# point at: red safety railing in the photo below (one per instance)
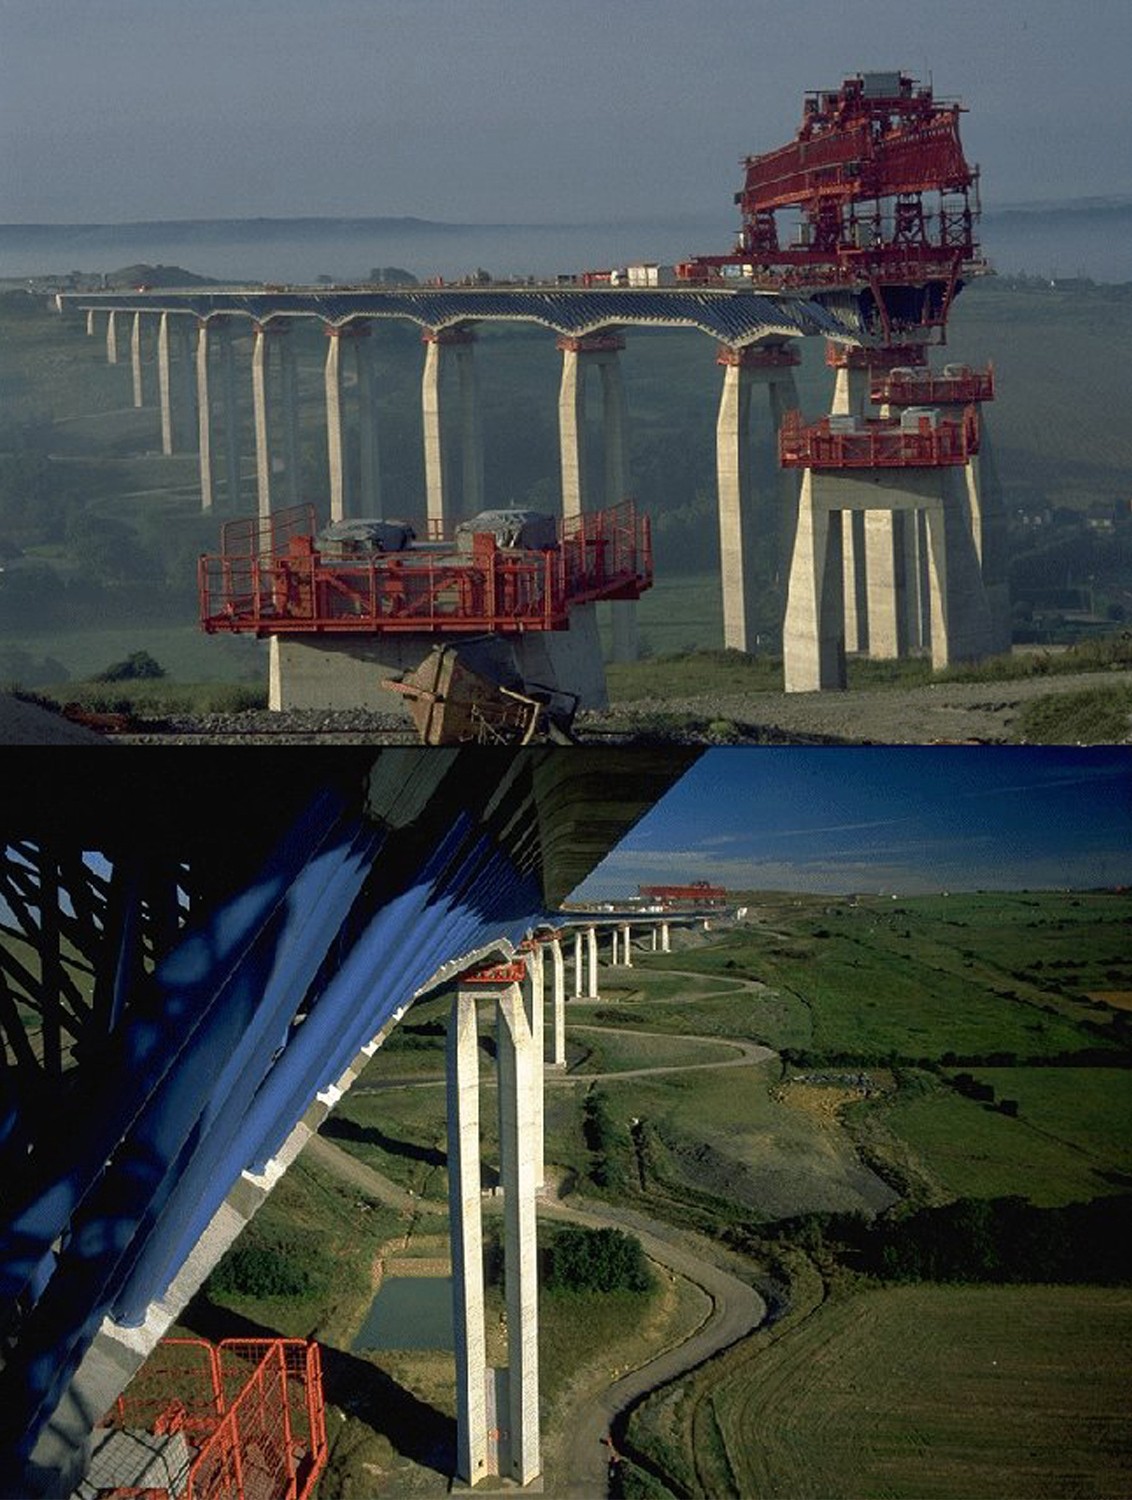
(271, 578)
(884, 444)
(252, 1409)
(927, 388)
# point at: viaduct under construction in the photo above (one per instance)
(861, 230)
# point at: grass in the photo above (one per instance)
(925, 1391)
(972, 1150)
(186, 653)
(1093, 716)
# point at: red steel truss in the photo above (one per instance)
(927, 441)
(251, 1409)
(497, 974)
(884, 198)
(270, 578)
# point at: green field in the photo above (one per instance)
(922, 1392)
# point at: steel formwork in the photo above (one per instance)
(273, 578)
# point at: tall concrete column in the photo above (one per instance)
(664, 938)
(231, 416)
(90, 322)
(771, 368)
(813, 638)
(579, 965)
(887, 584)
(369, 442)
(591, 950)
(272, 334)
(626, 950)
(112, 337)
(856, 587)
(466, 1231)
(558, 1011)
(184, 404)
(442, 345)
(520, 1083)
(600, 351)
(580, 355)
(336, 426)
(260, 419)
(289, 378)
(165, 384)
(653, 937)
(204, 417)
(614, 937)
(136, 360)
(534, 1001)
(572, 430)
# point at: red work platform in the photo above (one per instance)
(956, 385)
(913, 440)
(248, 1415)
(273, 578)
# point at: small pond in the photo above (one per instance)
(409, 1312)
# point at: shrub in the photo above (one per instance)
(135, 667)
(597, 1260)
(257, 1271)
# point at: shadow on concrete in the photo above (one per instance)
(416, 1430)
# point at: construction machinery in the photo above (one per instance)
(883, 202)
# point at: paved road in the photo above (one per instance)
(575, 1458)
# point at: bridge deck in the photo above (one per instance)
(736, 317)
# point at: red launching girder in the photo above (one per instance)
(270, 578)
(858, 173)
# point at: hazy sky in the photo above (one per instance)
(903, 819)
(517, 110)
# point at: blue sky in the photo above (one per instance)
(517, 110)
(902, 819)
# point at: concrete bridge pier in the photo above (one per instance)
(579, 965)
(343, 500)
(534, 1008)
(175, 384)
(557, 1056)
(601, 352)
(136, 360)
(813, 633)
(112, 337)
(744, 484)
(512, 1395)
(269, 413)
(591, 954)
(444, 347)
(626, 950)
(217, 332)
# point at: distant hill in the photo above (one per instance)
(156, 276)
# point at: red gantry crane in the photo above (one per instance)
(884, 204)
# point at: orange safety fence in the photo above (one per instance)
(273, 578)
(250, 1409)
(878, 444)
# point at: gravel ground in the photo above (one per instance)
(983, 713)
